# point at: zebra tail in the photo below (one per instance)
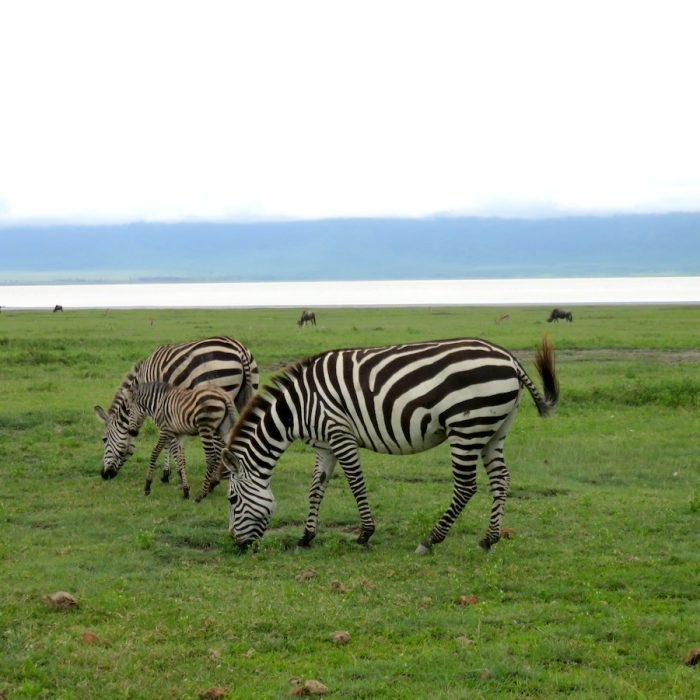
(250, 380)
(229, 419)
(545, 365)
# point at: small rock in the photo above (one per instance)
(693, 657)
(314, 687)
(61, 599)
(462, 639)
(213, 693)
(467, 600)
(305, 575)
(485, 674)
(89, 637)
(310, 687)
(339, 637)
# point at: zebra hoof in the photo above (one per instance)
(165, 478)
(185, 493)
(423, 548)
(306, 539)
(485, 544)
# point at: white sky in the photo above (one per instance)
(167, 110)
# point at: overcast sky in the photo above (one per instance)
(149, 110)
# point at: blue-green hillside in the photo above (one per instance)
(353, 249)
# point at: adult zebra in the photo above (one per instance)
(220, 360)
(397, 399)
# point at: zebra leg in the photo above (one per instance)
(344, 447)
(499, 480)
(163, 440)
(212, 452)
(323, 470)
(172, 452)
(182, 473)
(464, 458)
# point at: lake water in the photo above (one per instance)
(500, 292)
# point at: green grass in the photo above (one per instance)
(596, 595)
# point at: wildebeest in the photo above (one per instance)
(560, 313)
(56, 308)
(307, 317)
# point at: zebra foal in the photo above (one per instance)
(397, 399)
(207, 411)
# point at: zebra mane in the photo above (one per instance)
(118, 400)
(268, 393)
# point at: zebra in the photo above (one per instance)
(218, 360)
(560, 313)
(307, 317)
(396, 399)
(207, 411)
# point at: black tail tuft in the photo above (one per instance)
(544, 362)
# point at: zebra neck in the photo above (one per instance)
(264, 436)
(258, 458)
(152, 400)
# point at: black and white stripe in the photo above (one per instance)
(398, 399)
(207, 411)
(220, 360)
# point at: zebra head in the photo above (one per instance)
(119, 445)
(251, 502)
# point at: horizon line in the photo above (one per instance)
(47, 222)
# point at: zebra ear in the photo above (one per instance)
(229, 459)
(100, 412)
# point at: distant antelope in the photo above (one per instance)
(56, 308)
(502, 317)
(307, 317)
(560, 313)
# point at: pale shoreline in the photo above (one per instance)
(474, 292)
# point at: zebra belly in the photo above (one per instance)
(423, 436)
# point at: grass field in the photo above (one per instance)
(596, 595)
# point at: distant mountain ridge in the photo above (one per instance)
(353, 249)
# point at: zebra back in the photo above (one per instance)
(181, 410)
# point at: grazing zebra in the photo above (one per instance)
(307, 317)
(397, 399)
(560, 313)
(56, 308)
(207, 411)
(219, 360)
